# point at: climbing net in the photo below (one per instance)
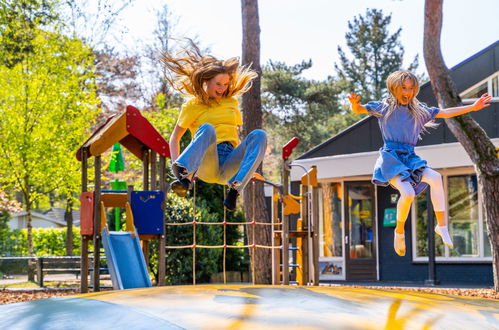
(253, 223)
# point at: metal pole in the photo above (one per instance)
(431, 241)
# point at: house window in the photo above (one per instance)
(476, 92)
(331, 236)
(463, 215)
(465, 222)
(489, 85)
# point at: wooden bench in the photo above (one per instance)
(57, 265)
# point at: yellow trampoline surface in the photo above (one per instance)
(253, 307)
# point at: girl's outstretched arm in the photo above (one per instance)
(355, 103)
(177, 134)
(479, 104)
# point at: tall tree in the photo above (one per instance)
(47, 101)
(473, 138)
(296, 106)
(251, 107)
(375, 54)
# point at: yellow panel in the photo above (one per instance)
(129, 220)
(290, 205)
(114, 199)
(313, 177)
(110, 136)
(258, 176)
(103, 219)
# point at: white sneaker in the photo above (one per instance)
(443, 231)
(399, 243)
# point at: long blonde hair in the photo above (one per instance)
(191, 70)
(416, 109)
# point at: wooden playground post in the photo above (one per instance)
(97, 218)
(305, 246)
(275, 241)
(285, 226)
(162, 239)
(315, 226)
(84, 238)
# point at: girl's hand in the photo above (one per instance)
(354, 101)
(482, 102)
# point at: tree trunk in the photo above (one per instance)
(254, 206)
(473, 138)
(68, 216)
(29, 225)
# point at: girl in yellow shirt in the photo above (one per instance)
(212, 115)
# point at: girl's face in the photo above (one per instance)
(406, 92)
(216, 86)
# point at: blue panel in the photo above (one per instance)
(125, 260)
(147, 212)
(77, 313)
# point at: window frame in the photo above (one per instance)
(446, 173)
(487, 80)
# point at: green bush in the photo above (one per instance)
(46, 242)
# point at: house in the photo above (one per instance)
(356, 217)
(54, 218)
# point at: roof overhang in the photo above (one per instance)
(130, 129)
(439, 156)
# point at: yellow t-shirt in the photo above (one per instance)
(224, 116)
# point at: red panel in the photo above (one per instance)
(141, 129)
(288, 148)
(87, 213)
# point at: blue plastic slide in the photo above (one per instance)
(125, 260)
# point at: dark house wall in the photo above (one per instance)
(393, 268)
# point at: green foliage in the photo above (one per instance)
(19, 21)
(375, 54)
(295, 106)
(47, 103)
(46, 242)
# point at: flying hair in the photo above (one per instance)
(190, 70)
(394, 82)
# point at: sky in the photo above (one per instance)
(296, 30)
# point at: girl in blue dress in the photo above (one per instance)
(402, 119)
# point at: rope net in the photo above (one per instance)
(194, 223)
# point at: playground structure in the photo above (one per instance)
(145, 215)
(127, 259)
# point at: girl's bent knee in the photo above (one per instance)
(407, 195)
(207, 127)
(259, 133)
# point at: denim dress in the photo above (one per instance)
(400, 134)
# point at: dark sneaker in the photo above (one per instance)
(230, 200)
(179, 171)
(181, 187)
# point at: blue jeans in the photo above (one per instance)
(222, 163)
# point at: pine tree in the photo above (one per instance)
(376, 53)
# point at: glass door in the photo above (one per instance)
(360, 229)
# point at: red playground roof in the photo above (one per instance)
(130, 129)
